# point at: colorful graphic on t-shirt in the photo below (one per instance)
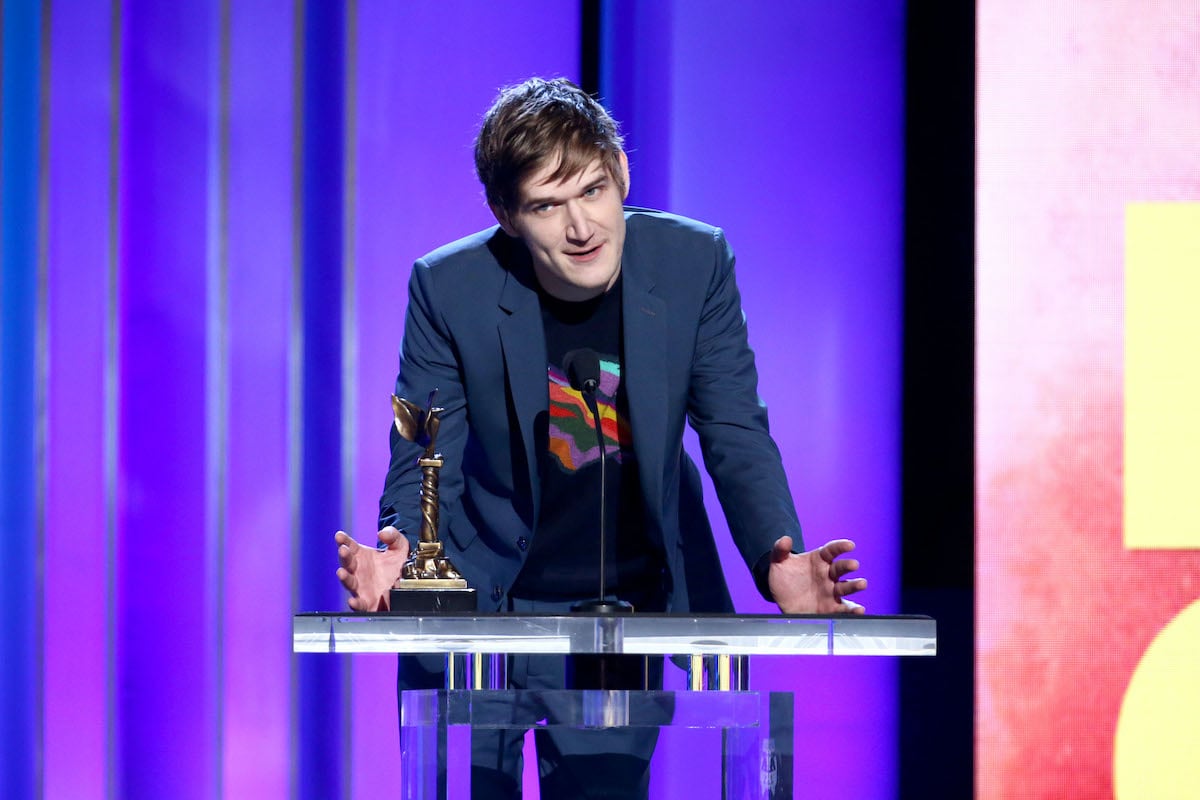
(572, 431)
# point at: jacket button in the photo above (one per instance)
(523, 544)
(497, 592)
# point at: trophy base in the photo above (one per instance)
(432, 599)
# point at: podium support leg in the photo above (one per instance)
(757, 762)
(423, 716)
(484, 671)
(782, 739)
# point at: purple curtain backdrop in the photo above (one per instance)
(165, 576)
(252, 325)
(234, 194)
(424, 73)
(783, 123)
(22, 67)
(78, 636)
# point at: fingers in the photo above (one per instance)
(781, 549)
(345, 570)
(832, 549)
(389, 535)
(345, 551)
(839, 568)
(843, 588)
(346, 556)
(842, 567)
(850, 607)
(350, 583)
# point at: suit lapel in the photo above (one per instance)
(644, 314)
(645, 334)
(523, 342)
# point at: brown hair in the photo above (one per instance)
(535, 121)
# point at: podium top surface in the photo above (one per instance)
(640, 634)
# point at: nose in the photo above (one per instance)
(579, 226)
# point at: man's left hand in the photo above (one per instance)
(814, 582)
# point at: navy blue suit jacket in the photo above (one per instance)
(474, 332)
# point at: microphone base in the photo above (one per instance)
(602, 606)
(602, 670)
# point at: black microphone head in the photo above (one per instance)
(583, 370)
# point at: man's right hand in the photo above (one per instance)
(368, 573)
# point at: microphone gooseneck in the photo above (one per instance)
(583, 371)
(603, 671)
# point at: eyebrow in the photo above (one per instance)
(534, 202)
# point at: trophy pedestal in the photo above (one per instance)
(429, 583)
(432, 597)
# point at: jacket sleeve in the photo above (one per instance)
(731, 420)
(428, 363)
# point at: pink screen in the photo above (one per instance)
(1088, 199)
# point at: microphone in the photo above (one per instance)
(583, 371)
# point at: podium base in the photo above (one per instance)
(432, 601)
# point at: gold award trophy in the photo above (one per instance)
(429, 583)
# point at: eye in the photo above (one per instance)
(593, 191)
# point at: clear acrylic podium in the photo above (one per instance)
(756, 727)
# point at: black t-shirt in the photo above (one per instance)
(564, 557)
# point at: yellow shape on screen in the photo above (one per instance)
(1158, 739)
(1162, 376)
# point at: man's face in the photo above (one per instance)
(574, 229)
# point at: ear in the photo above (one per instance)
(502, 217)
(624, 174)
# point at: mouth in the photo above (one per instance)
(584, 256)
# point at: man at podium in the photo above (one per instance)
(495, 325)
